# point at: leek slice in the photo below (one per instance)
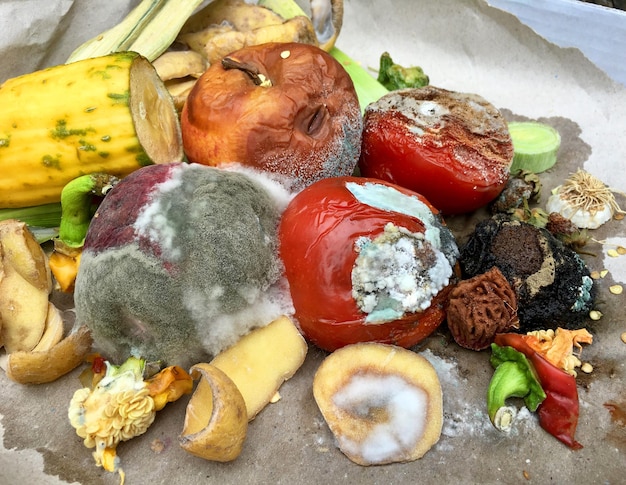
(535, 146)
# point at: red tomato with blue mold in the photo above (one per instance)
(366, 260)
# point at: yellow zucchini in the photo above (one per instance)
(108, 114)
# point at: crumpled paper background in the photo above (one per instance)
(464, 45)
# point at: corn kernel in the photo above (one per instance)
(587, 368)
(616, 289)
(612, 253)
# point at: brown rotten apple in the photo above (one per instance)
(284, 108)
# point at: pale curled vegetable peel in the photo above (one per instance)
(216, 420)
(47, 365)
(121, 406)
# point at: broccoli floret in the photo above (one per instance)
(394, 76)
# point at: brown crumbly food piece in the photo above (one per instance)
(480, 307)
(557, 224)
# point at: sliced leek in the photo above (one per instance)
(535, 146)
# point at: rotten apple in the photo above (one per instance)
(366, 260)
(453, 148)
(284, 108)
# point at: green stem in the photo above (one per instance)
(76, 200)
(508, 381)
(367, 87)
(514, 376)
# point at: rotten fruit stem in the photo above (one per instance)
(251, 70)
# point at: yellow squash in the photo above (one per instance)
(108, 114)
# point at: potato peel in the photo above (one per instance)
(25, 286)
(53, 331)
(48, 365)
(216, 420)
(261, 361)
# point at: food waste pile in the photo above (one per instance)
(223, 241)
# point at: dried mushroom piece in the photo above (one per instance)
(480, 307)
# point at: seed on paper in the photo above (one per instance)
(595, 315)
(587, 368)
(616, 289)
(621, 250)
(596, 275)
(612, 253)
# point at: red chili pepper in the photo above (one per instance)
(98, 365)
(558, 413)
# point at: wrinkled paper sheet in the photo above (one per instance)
(463, 45)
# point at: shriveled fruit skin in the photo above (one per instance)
(302, 123)
(383, 403)
(453, 148)
(178, 263)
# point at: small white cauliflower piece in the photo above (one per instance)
(117, 409)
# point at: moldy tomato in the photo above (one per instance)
(366, 260)
(453, 148)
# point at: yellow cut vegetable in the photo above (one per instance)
(262, 360)
(108, 114)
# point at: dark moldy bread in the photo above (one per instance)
(552, 283)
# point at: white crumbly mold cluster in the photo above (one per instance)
(399, 272)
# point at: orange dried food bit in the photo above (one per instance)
(168, 385)
(557, 346)
(64, 268)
